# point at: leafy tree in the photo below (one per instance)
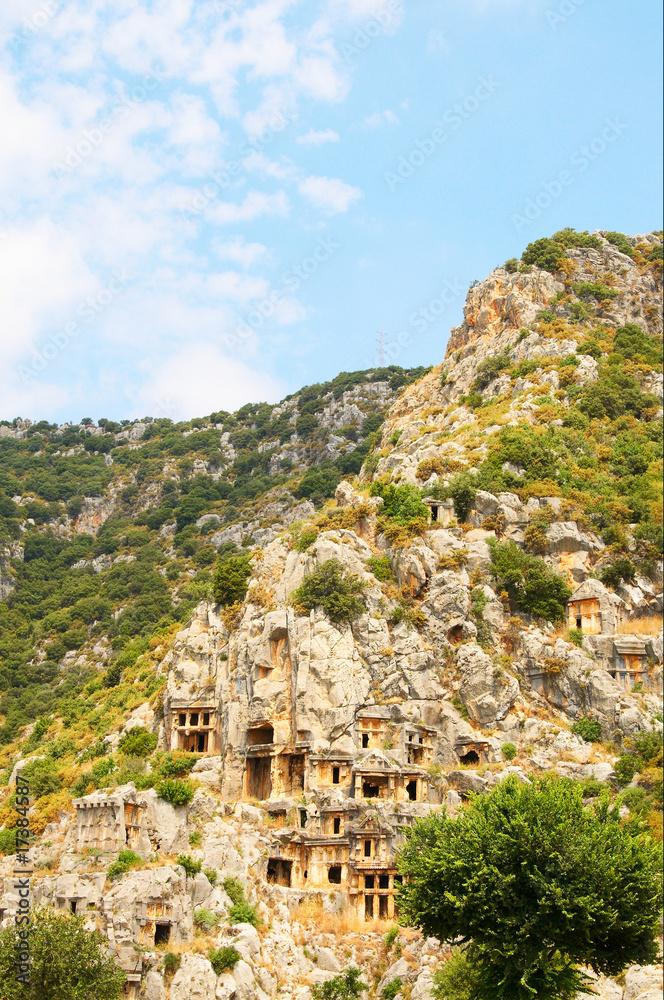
(631, 341)
(318, 483)
(570, 238)
(346, 986)
(544, 253)
(231, 579)
(529, 581)
(489, 369)
(329, 587)
(621, 569)
(138, 742)
(462, 491)
(538, 885)
(402, 503)
(191, 867)
(66, 960)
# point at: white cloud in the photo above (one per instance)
(380, 118)
(254, 205)
(317, 137)
(329, 194)
(200, 378)
(239, 251)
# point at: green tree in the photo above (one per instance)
(544, 253)
(65, 961)
(539, 885)
(231, 578)
(346, 986)
(529, 581)
(329, 587)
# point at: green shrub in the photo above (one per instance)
(306, 539)
(570, 238)
(575, 635)
(42, 778)
(509, 751)
(636, 800)
(631, 342)
(231, 579)
(588, 729)
(178, 793)
(195, 839)
(234, 889)
(329, 587)
(171, 963)
(511, 265)
(592, 290)
(391, 937)
(621, 242)
(244, 913)
(176, 764)
(222, 959)
(591, 788)
(649, 746)
(190, 866)
(380, 567)
(318, 483)
(544, 253)
(489, 369)
(346, 986)
(626, 767)
(390, 991)
(138, 742)
(211, 875)
(206, 918)
(621, 569)
(402, 503)
(462, 491)
(125, 861)
(528, 581)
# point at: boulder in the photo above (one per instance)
(643, 982)
(194, 980)
(487, 691)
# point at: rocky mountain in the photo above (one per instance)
(241, 655)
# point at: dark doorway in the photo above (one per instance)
(279, 871)
(162, 933)
(472, 757)
(365, 740)
(335, 775)
(367, 848)
(382, 907)
(193, 719)
(259, 777)
(370, 791)
(303, 818)
(72, 905)
(455, 634)
(334, 874)
(369, 881)
(337, 824)
(411, 789)
(201, 745)
(383, 881)
(368, 907)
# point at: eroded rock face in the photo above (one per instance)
(487, 691)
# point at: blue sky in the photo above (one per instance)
(210, 202)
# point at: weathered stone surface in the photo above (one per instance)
(640, 980)
(487, 691)
(194, 980)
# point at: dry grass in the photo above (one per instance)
(644, 625)
(310, 915)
